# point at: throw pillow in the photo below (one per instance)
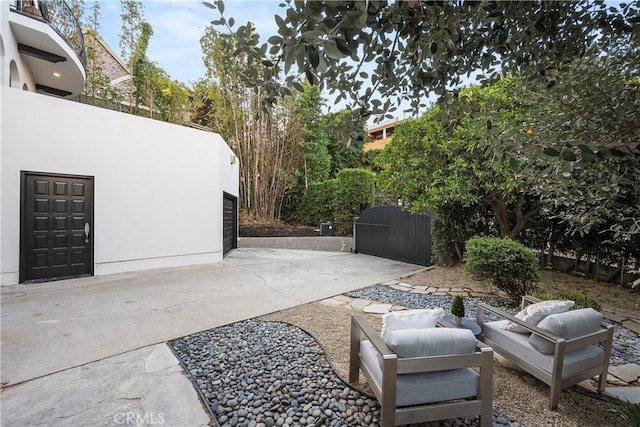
(410, 319)
(534, 313)
(573, 324)
(431, 342)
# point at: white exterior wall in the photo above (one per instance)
(11, 54)
(158, 187)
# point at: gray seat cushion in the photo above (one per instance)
(430, 387)
(574, 361)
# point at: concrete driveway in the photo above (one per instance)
(55, 326)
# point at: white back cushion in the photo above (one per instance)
(410, 319)
(534, 313)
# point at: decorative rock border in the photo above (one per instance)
(264, 374)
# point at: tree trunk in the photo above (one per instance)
(501, 212)
(552, 249)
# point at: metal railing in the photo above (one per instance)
(141, 111)
(59, 16)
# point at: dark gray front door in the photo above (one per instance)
(56, 230)
(229, 223)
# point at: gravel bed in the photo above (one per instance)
(414, 300)
(261, 373)
(264, 373)
(626, 343)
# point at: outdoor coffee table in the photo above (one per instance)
(466, 324)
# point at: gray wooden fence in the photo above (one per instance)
(390, 232)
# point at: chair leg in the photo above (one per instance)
(486, 419)
(387, 418)
(354, 370)
(556, 374)
(354, 354)
(554, 396)
(486, 389)
(602, 382)
(389, 390)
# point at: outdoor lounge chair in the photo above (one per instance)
(560, 350)
(424, 388)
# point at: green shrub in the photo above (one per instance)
(317, 203)
(354, 192)
(506, 264)
(629, 412)
(581, 300)
(291, 204)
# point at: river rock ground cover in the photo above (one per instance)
(232, 365)
(262, 373)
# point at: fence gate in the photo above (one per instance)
(390, 232)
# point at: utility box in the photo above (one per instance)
(326, 229)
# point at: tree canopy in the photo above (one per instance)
(441, 162)
(410, 49)
(589, 129)
(486, 156)
(572, 152)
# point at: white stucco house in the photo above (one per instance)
(89, 191)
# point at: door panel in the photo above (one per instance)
(55, 209)
(229, 223)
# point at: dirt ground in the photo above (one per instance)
(611, 296)
(249, 229)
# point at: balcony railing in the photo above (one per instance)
(59, 16)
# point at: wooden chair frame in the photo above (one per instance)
(561, 347)
(393, 366)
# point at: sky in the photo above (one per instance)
(177, 28)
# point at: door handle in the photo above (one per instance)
(87, 230)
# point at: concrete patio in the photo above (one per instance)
(89, 351)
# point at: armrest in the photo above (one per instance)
(479, 358)
(482, 347)
(482, 307)
(444, 324)
(361, 323)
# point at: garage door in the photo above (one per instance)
(229, 223)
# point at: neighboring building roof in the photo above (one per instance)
(380, 134)
(110, 62)
(111, 66)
